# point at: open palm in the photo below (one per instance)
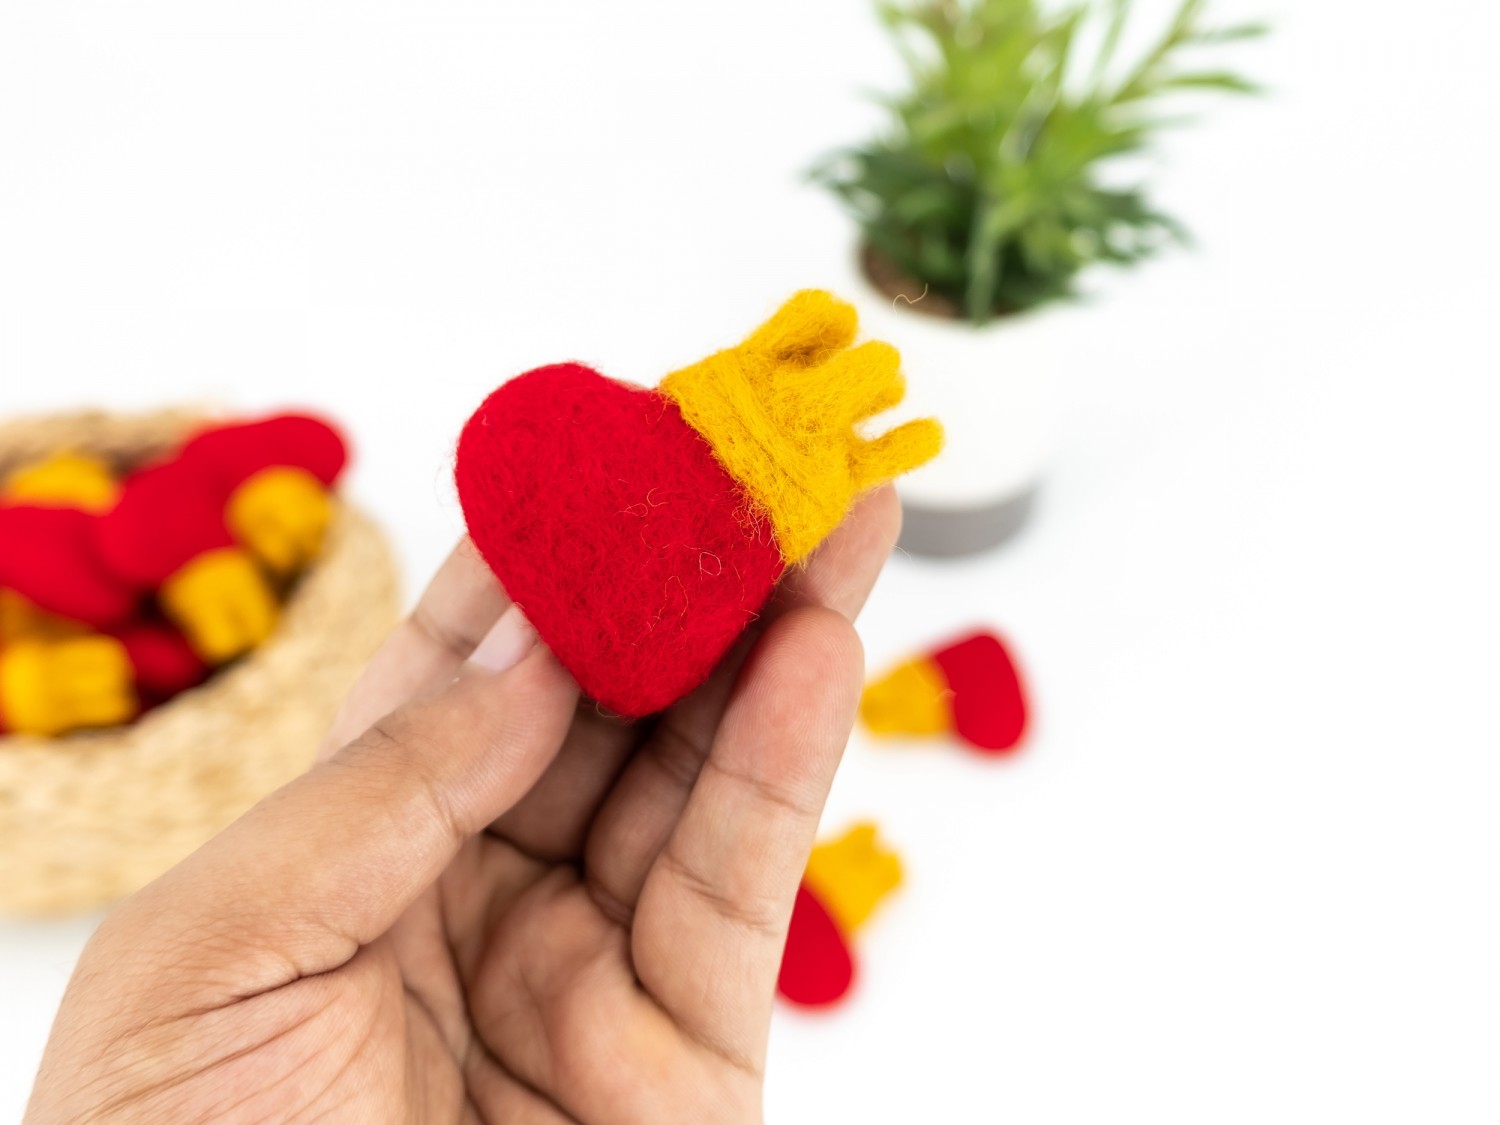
(489, 902)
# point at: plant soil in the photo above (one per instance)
(900, 286)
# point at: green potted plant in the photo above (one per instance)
(993, 191)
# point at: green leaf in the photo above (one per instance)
(1234, 34)
(987, 184)
(1217, 80)
(982, 262)
(1118, 11)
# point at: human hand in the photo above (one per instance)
(493, 903)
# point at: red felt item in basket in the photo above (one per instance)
(167, 515)
(50, 557)
(606, 517)
(171, 512)
(230, 455)
(163, 662)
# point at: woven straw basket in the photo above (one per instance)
(88, 818)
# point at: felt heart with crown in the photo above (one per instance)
(640, 530)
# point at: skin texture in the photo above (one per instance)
(488, 901)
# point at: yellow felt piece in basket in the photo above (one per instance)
(781, 409)
(23, 620)
(71, 479)
(281, 514)
(50, 687)
(222, 603)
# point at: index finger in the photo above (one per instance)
(642, 809)
(713, 914)
(427, 648)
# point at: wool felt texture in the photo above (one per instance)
(640, 531)
(609, 522)
(48, 556)
(50, 687)
(970, 688)
(781, 411)
(845, 880)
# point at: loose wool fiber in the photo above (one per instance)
(609, 522)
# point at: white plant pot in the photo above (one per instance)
(994, 389)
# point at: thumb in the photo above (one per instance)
(329, 862)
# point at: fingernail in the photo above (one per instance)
(508, 640)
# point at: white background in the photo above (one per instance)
(1249, 867)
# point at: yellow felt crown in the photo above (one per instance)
(781, 411)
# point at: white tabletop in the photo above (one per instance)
(1247, 868)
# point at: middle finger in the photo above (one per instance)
(642, 808)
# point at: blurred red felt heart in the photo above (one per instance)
(817, 968)
(607, 519)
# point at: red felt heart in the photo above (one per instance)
(989, 703)
(817, 968)
(607, 519)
